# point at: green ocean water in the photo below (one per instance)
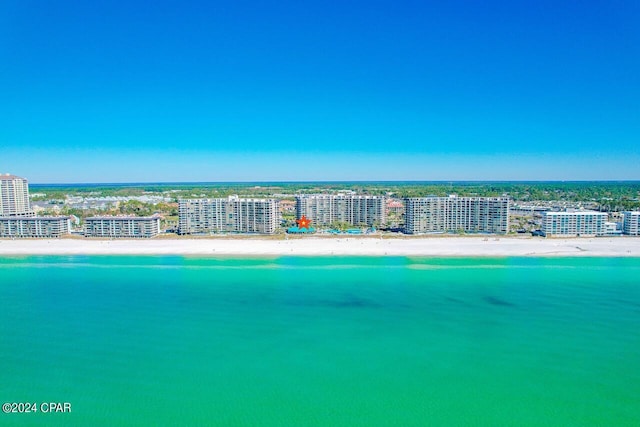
(330, 341)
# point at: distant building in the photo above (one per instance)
(395, 207)
(452, 214)
(287, 206)
(630, 223)
(34, 227)
(14, 196)
(573, 224)
(230, 215)
(122, 226)
(326, 209)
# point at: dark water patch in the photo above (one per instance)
(457, 301)
(497, 301)
(633, 305)
(347, 302)
(354, 302)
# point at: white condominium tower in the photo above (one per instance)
(357, 210)
(14, 196)
(452, 214)
(578, 223)
(232, 214)
(630, 223)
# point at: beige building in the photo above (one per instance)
(14, 196)
(327, 209)
(228, 215)
(122, 226)
(573, 224)
(34, 227)
(453, 214)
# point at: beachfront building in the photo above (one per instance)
(122, 226)
(327, 209)
(574, 224)
(14, 196)
(456, 214)
(630, 222)
(228, 215)
(34, 227)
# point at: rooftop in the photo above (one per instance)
(127, 217)
(31, 218)
(575, 213)
(7, 176)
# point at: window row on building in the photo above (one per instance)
(14, 196)
(17, 227)
(574, 224)
(456, 214)
(630, 222)
(228, 215)
(54, 227)
(327, 209)
(122, 227)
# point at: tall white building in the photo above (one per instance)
(451, 214)
(326, 209)
(231, 215)
(14, 196)
(573, 224)
(630, 222)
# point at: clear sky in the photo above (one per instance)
(121, 91)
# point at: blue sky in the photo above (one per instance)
(107, 91)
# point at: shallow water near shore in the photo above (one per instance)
(321, 341)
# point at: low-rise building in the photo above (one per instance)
(574, 224)
(287, 206)
(612, 228)
(122, 226)
(35, 227)
(630, 223)
(395, 208)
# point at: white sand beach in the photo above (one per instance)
(428, 246)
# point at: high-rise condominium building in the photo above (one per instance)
(452, 214)
(42, 226)
(572, 224)
(14, 196)
(122, 226)
(230, 215)
(327, 209)
(630, 223)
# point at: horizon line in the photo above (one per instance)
(336, 182)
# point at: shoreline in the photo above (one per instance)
(493, 246)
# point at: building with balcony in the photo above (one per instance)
(122, 226)
(228, 215)
(456, 214)
(34, 227)
(327, 209)
(14, 196)
(574, 224)
(630, 222)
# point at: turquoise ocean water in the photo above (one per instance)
(332, 341)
